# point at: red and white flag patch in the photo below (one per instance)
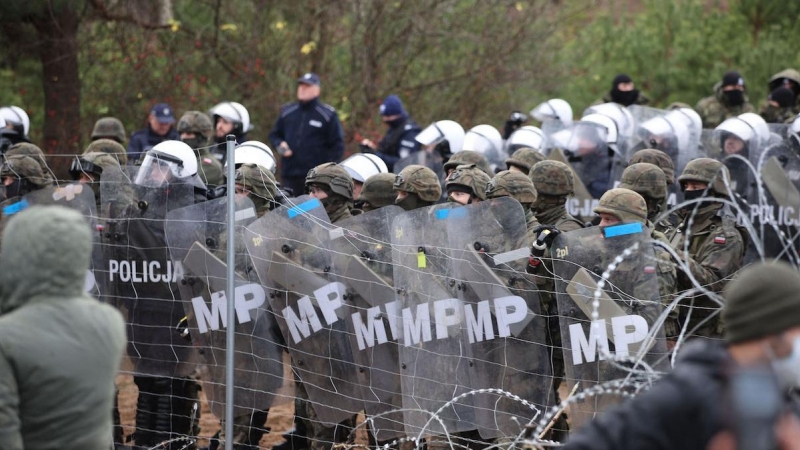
(649, 269)
(719, 240)
(207, 160)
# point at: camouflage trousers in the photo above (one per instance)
(320, 436)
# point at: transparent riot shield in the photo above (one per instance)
(140, 276)
(434, 363)
(584, 145)
(626, 124)
(362, 261)
(431, 159)
(197, 237)
(505, 331)
(610, 328)
(78, 197)
(287, 249)
(641, 113)
(582, 203)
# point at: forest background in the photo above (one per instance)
(70, 62)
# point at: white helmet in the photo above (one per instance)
(553, 109)
(441, 131)
(527, 136)
(690, 117)
(484, 139)
(749, 127)
(619, 114)
(611, 134)
(361, 166)
(173, 157)
(18, 117)
(672, 125)
(233, 112)
(254, 152)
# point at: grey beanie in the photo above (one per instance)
(763, 300)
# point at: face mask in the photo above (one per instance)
(788, 369)
(694, 195)
(410, 202)
(625, 98)
(195, 142)
(734, 97)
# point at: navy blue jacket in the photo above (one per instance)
(314, 134)
(144, 139)
(399, 141)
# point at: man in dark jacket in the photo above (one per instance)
(159, 129)
(686, 409)
(59, 348)
(399, 140)
(307, 133)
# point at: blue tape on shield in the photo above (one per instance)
(16, 207)
(454, 213)
(303, 208)
(622, 230)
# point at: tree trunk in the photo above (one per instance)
(58, 50)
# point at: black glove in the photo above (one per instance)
(546, 234)
(216, 192)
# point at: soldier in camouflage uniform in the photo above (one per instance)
(87, 169)
(622, 205)
(20, 175)
(788, 79)
(28, 149)
(467, 157)
(554, 183)
(259, 185)
(523, 159)
(466, 184)
(657, 158)
(519, 187)
(196, 131)
(417, 187)
(779, 106)
(109, 146)
(109, 128)
(715, 244)
(649, 181)
(729, 100)
(377, 192)
(333, 187)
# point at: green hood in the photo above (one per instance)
(45, 256)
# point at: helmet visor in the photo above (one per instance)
(158, 169)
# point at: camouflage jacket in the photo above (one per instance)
(772, 114)
(342, 213)
(716, 249)
(714, 111)
(209, 168)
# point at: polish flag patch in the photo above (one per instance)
(719, 240)
(207, 160)
(649, 269)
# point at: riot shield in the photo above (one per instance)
(197, 237)
(611, 329)
(581, 204)
(80, 198)
(505, 330)
(430, 159)
(584, 145)
(362, 261)
(140, 276)
(287, 249)
(434, 364)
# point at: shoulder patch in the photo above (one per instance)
(719, 240)
(207, 160)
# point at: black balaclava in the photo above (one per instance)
(625, 98)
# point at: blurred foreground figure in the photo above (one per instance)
(707, 391)
(59, 348)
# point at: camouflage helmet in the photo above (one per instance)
(109, 128)
(512, 184)
(195, 122)
(378, 190)
(525, 158)
(110, 147)
(334, 176)
(471, 177)
(624, 204)
(260, 180)
(468, 157)
(31, 150)
(709, 171)
(646, 179)
(552, 178)
(23, 167)
(657, 158)
(93, 163)
(419, 180)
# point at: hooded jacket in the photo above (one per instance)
(682, 410)
(59, 348)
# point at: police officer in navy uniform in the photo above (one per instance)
(307, 133)
(159, 129)
(399, 140)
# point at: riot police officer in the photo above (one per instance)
(196, 130)
(416, 187)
